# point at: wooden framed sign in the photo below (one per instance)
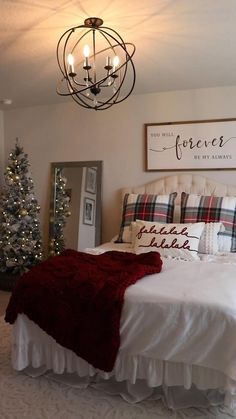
(191, 145)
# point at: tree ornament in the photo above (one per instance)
(23, 212)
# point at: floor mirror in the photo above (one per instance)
(75, 205)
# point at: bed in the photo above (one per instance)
(177, 327)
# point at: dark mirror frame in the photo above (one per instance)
(97, 216)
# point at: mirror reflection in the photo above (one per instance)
(75, 206)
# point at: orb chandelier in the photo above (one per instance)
(96, 65)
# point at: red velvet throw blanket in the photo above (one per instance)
(77, 298)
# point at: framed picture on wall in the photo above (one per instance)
(89, 208)
(91, 180)
(191, 145)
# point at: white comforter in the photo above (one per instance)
(183, 318)
(186, 313)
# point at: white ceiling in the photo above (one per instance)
(180, 44)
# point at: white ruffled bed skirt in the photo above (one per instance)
(135, 378)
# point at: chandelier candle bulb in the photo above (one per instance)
(86, 52)
(116, 62)
(70, 60)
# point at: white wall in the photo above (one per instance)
(67, 132)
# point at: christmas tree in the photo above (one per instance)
(62, 203)
(20, 237)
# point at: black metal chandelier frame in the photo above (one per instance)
(78, 90)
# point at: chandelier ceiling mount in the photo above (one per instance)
(93, 22)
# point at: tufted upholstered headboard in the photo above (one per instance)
(184, 182)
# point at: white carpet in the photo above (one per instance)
(22, 397)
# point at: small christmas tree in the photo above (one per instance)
(62, 203)
(20, 238)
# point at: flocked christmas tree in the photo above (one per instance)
(61, 212)
(20, 237)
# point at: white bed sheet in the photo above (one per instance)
(178, 327)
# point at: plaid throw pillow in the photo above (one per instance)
(195, 208)
(146, 207)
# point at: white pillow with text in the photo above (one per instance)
(171, 240)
